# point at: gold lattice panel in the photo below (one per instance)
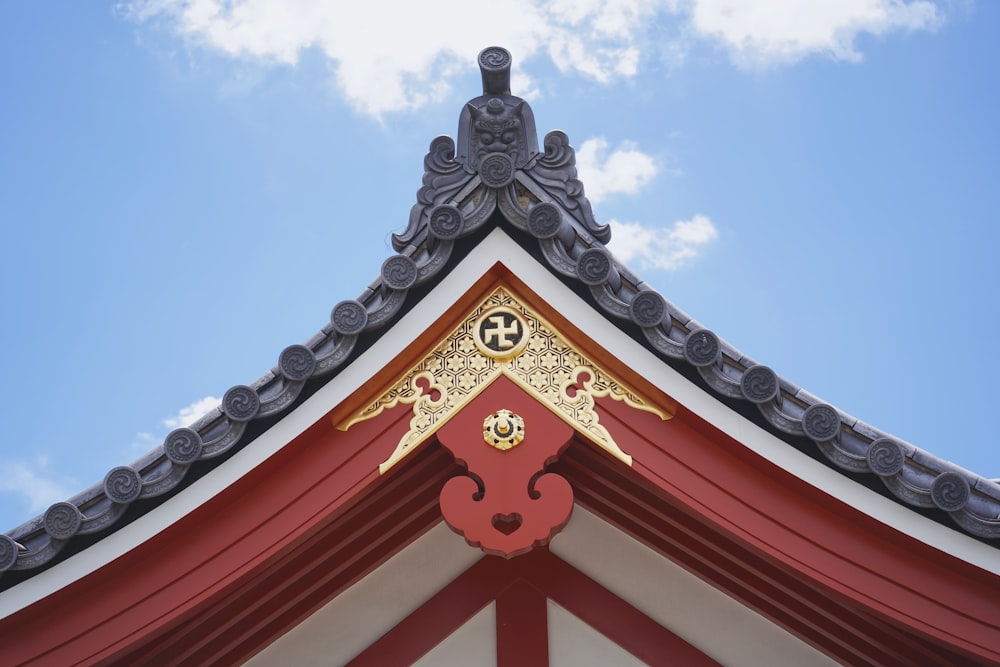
(503, 337)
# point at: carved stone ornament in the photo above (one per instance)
(501, 337)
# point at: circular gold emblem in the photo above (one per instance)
(503, 430)
(501, 333)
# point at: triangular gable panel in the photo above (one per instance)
(573, 642)
(344, 627)
(472, 644)
(508, 377)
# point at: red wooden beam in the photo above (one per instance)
(522, 626)
(520, 587)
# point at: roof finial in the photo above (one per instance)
(494, 63)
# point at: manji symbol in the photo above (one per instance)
(500, 333)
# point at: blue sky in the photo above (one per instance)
(187, 188)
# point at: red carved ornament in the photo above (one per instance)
(520, 506)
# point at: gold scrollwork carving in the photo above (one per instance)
(503, 337)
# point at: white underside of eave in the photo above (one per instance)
(709, 620)
(498, 247)
(701, 615)
(340, 630)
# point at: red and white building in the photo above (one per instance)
(509, 450)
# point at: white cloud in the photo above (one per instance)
(192, 413)
(391, 57)
(401, 56)
(145, 441)
(614, 18)
(775, 31)
(625, 170)
(666, 248)
(34, 485)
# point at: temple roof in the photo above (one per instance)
(496, 177)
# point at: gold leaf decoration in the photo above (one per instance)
(542, 363)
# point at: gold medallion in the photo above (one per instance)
(503, 430)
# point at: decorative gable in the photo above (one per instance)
(505, 375)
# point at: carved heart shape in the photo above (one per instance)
(506, 523)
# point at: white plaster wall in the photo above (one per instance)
(475, 643)
(573, 643)
(706, 618)
(364, 612)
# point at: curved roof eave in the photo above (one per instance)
(538, 199)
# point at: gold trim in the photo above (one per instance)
(546, 367)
